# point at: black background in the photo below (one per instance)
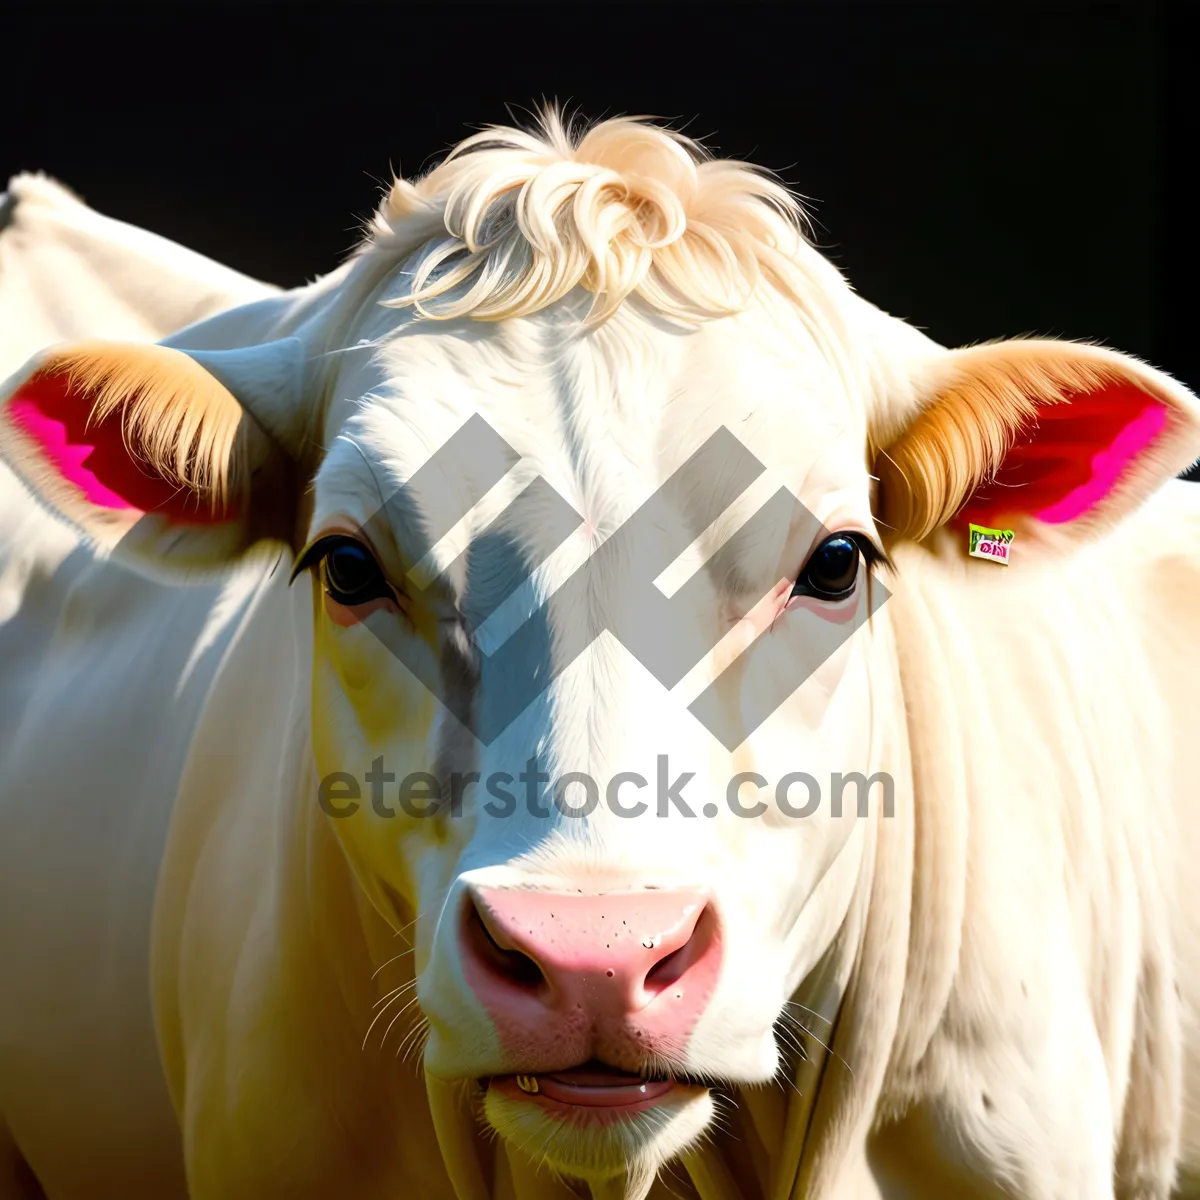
(980, 169)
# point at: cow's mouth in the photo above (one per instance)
(594, 1086)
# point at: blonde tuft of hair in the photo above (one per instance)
(175, 417)
(513, 220)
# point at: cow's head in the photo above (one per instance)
(626, 771)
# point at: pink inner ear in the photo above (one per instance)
(95, 459)
(1072, 458)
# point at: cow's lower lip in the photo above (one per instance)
(586, 1088)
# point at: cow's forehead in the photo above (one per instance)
(603, 418)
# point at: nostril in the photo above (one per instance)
(666, 972)
(511, 965)
(673, 966)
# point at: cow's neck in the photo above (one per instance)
(852, 999)
(1021, 695)
(259, 918)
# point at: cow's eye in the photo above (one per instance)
(351, 574)
(832, 569)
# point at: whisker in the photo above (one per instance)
(400, 1012)
(782, 1077)
(395, 995)
(791, 1043)
(393, 959)
(414, 1039)
(827, 1049)
(405, 928)
(411, 983)
(812, 1011)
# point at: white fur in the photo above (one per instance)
(981, 988)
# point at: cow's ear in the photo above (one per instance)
(1034, 436)
(155, 453)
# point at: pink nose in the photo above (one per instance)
(606, 975)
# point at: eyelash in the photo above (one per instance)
(808, 582)
(873, 556)
(318, 554)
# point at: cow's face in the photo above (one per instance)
(614, 897)
(624, 829)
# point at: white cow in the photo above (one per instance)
(388, 914)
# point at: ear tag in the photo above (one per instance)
(993, 544)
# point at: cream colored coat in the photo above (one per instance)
(1012, 962)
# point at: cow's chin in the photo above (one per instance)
(634, 1145)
